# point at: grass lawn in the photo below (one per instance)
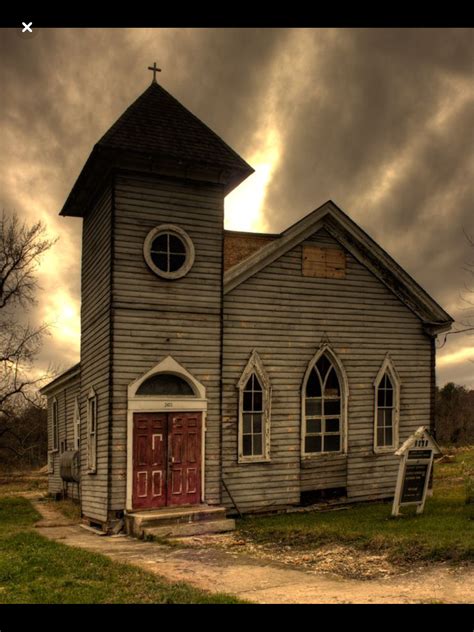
(18, 482)
(445, 531)
(36, 570)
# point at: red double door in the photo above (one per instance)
(166, 459)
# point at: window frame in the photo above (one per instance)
(55, 424)
(387, 368)
(344, 396)
(92, 432)
(255, 366)
(183, 236)
(77, 424)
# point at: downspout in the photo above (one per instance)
(433, 387)
(221, 361)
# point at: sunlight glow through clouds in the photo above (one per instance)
(61, 313)
(243, 206)
(456, 357)
(58, 308)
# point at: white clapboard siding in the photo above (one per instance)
(153, 317)
(285, 316)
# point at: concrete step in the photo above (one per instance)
(138, 521)
(191, 528)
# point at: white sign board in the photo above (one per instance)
(415, 469)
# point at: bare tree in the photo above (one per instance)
(21, 247)
(467, 325)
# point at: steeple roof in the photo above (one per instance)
(157, 123)
(157, 133)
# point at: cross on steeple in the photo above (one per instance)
(155, 70)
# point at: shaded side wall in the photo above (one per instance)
(95, 348)
(65, 396)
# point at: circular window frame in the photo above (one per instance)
(178, 232)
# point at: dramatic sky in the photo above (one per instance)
(381, 121)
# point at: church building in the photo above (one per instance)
(223, 370)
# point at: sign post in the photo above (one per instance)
(415, 468)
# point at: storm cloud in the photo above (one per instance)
(381, 121)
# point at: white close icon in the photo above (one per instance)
(27, 27)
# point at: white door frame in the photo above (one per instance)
(165, 404)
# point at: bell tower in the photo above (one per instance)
(151, 196)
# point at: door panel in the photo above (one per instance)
(149, 460)
(185, 467)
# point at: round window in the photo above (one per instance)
(169, 251)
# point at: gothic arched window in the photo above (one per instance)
(324, 405)
(387, 405)
(254, 412)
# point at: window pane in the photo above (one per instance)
(388, 417)
(389, 398)
(247, 445)
(165, 384)
(332, 384)
(332, 443)
(313, 386)
(257, 444)
(380, 437)
(380, 396)
(331, 406)
(176, 245)
(160, 243)
(257, 423)
(313, 425)
(257, 400)
(312, 444)
(176, 261)
(160, 261)
(247, 400)
(313, 407)
(380, 417)
(256, 383)
(323, 365)
(247, 419)
(332, 425)
(388, 436)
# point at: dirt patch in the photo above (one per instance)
(336, 560)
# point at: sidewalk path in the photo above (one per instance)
(253, 579)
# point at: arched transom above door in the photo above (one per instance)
(168, 380)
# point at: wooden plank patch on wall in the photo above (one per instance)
(326, 263)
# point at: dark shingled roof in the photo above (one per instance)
(157, 123)
(156, 134)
